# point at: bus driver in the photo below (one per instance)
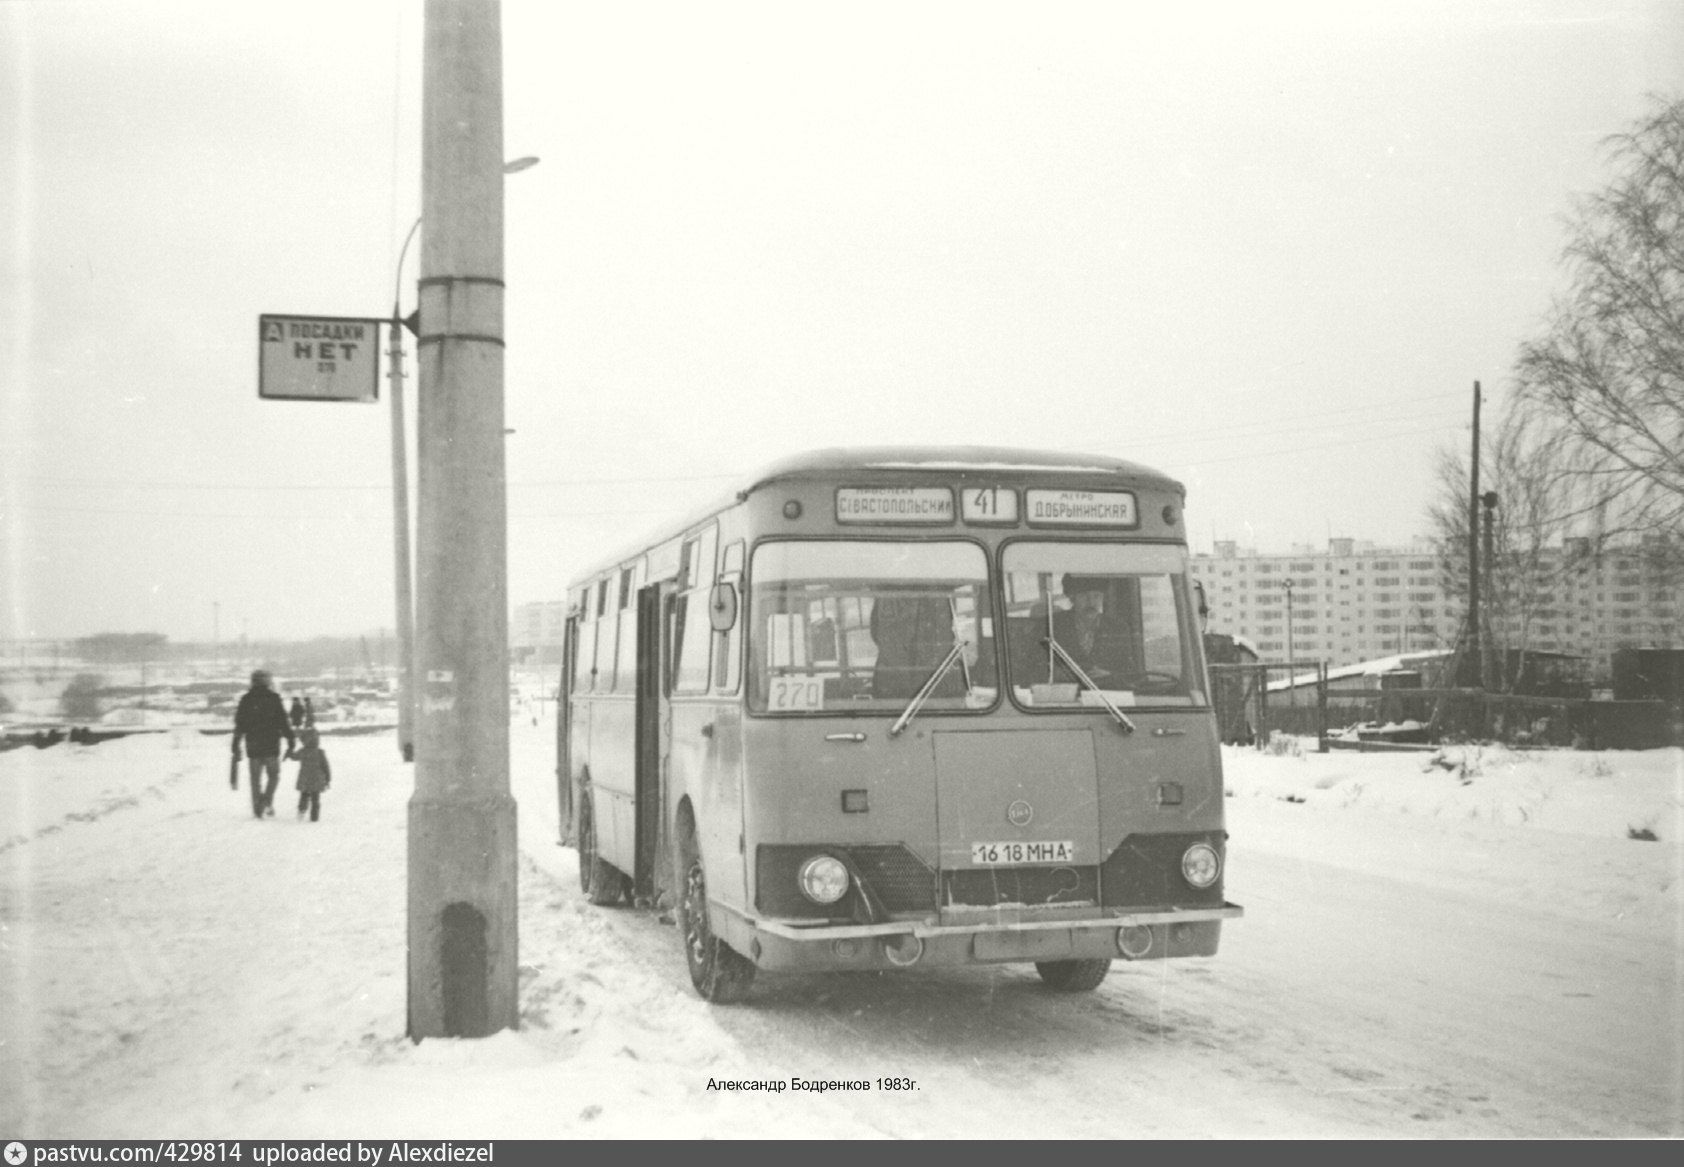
(1097, 644)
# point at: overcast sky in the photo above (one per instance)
(1265, 248)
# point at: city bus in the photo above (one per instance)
(901, 708)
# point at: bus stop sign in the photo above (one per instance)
(318, 358)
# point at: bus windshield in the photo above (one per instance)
(1118, 611)
(861, 626)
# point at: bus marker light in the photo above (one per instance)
(904, 950)
(824, 879)
(1134, 941)
(792, 509)
(1200, 865)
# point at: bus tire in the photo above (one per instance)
(720, 973)
(1073, 976)
(600, 880)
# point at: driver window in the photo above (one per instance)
(1089, 618)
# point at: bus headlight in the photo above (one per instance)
(1200, 865)
(823, 879)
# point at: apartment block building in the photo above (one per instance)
(536, 630)
(1354, 601)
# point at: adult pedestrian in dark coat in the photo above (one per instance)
(261, 720)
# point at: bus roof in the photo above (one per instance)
(950, 461)
(956, 459)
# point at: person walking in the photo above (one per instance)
(314, 774)
(261, 720)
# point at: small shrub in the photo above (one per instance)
(1642, 833)
(80, 699)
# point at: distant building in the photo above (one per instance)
(1355, 602)
(536, 631)
(1352, 602)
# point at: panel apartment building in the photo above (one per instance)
(1355, 602)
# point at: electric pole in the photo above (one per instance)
(1473, 660)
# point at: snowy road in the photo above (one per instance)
(1343, 1004)
(171, 968)
(1406, 983)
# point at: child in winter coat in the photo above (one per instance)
(314, 774)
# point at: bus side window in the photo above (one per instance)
(693, 636)
(567, 676)
(625, 669)
(584, 662)
(607, 621)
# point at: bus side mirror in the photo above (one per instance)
(722, 607)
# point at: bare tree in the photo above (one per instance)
(1523, 576)
(1604, 384)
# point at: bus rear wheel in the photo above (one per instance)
(1073, 976)
(720, 973)
(600, 880)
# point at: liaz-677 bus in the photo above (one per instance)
(903, 707)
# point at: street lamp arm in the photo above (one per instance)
(397, 281)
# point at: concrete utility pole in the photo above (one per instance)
(462, 846)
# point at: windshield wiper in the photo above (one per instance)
(923, 694)
(1082, 676)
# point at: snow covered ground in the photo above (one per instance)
(171, 967)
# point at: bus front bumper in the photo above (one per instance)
(1143, 935)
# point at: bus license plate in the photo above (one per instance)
(1017, 853)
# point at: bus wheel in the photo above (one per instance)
(598, 878)
(720, 973)
(1073, 976)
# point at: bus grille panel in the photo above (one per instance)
(898, 880)
(1034, 886)
(901, 881)
(1145, 872)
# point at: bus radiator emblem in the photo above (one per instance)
(1019, 813)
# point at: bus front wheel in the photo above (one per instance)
(720, 973)
(599, 879)
(1073, 976)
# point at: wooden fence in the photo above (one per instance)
(1247, 711)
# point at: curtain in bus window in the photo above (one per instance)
(862, 626)
(1119, 611)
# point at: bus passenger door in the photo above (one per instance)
(568, 835)
(653, 726)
